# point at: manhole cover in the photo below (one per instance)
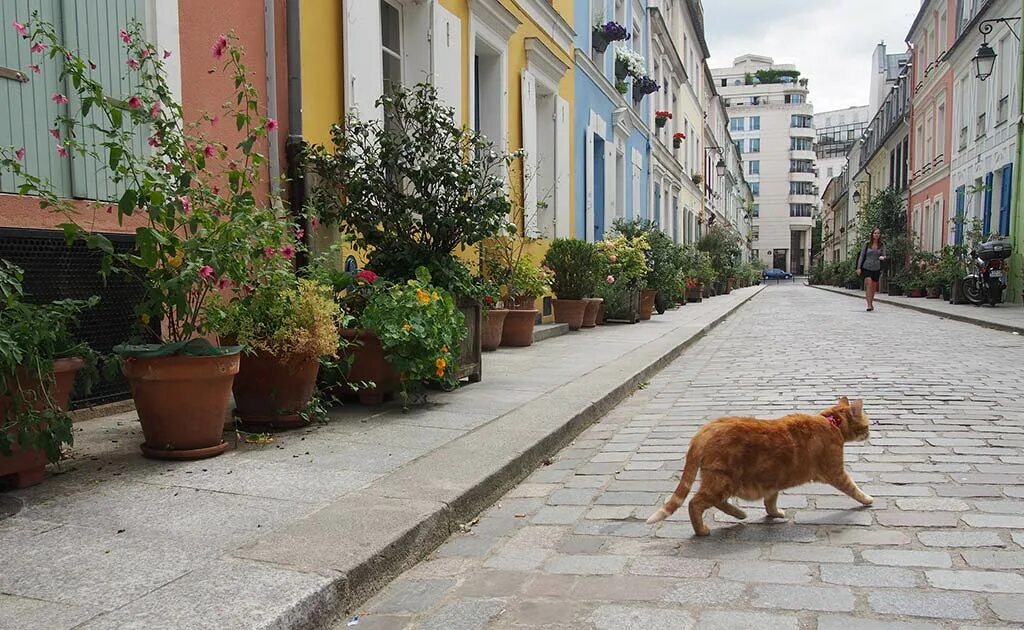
(9, 506)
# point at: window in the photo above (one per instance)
(391, 40)
(940, 129)
(794, 99)
(755, 145)
(757, 210)
(801, 166)
(755, 188)
(755, 233)
(739, 145)
(736, 124)
(801, 210)
(801, 144)
(755, 123)
(754, 167)
(831, 173)
(801, 188)
(801, 121)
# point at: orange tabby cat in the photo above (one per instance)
(755, 459)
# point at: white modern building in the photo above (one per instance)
(836, 132)
(771, 120)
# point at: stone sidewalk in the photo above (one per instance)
(288, 534)
(1005, 317)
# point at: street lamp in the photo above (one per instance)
(985, 59)
(720, 167)
(856, 197)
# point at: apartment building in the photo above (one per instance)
(836, 131)
(771, 121)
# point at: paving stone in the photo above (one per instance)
(533, 490)
(464, 614)
(937, 504)
(960, 538)
(994, 520)
(517, 559)
(610, 512)
(834, 517)
(978, 581)
(846, 622)
(960, 490)
(916, 603)
(908, 558)
(537, 537)
(631, 498)
(558, 515)
(918, 519)
(582, 544)
(985, 559)
(620, 588)
(640, 618)
(672, 567)
(586, 565)
(867, 537)
(869, 576)
(466, 545)
(1001, 507)
(721, 620)
(573, 496)
(707, 592)
(1008, 608)
(810, 553)
(819, 598)
(412, 596)
(765, 572)
(492, 584)
(542, 613)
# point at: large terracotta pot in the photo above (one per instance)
(518, 329)
(272, 391)
(647, 303)
(182, 402)
(592, 311)
(27, 467)
(369, 366)
(494, 322)
(523, 303)
(695, 294)
(569, 312)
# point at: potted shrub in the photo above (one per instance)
(39, 359)
(621, 267)
(285, 325)
(494, 317)
(507, 264)
(677, 142)
(604, 34)
(441, 201)
(934, 283)
(661, 119)
(571, 262)
(204, 228)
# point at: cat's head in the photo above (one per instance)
(854, 423)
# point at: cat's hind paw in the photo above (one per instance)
(777, 514)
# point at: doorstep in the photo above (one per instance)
(1006, 317)
(294, 533)
(542, 332)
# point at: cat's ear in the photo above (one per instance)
(858, 407)
(844, 401)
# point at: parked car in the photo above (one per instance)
(776, 274)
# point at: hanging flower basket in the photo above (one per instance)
(628, 63)
(620, 70)
(622, 86)
(604, 34)
(643, 86)
(661, 118)
(677, 139)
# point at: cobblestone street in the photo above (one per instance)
(942, 546)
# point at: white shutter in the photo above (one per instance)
(529, 115)
(447, 44)
(636, 174)
(563, 176)
(589, 157)
(364, 75)
(611, 200)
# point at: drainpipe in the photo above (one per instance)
(270, 45)
(1016, 208)
(295, 143)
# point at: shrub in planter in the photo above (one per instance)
(621, 267)
(723, 249)
(39, 359)
(494, 317)
(507, 264)
(572, 263)
(203, 227)
(285, 325)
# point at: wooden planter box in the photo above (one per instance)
(470, 357)
(623, 307)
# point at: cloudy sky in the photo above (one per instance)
(830, 41)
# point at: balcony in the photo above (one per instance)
(804, 198)
(803, 154)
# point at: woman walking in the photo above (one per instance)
(869, 265)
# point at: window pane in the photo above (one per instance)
(392, 71)
(390, 28)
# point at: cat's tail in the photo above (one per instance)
(689, 475)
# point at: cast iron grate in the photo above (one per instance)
(54, 271)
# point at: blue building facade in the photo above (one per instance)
(612, 132)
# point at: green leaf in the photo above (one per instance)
(116, 117)
(127, 204)
(240, 120)
(115, 157)
(100, 242)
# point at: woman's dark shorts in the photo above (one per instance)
(874, 275)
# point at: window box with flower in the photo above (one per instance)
(661, 119)
(604, 34)
(677, 142)
(628, 63)
(202, 228)
(643, 86)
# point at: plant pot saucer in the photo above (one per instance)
(178, 454)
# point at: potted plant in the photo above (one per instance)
(441, 201)
(697, 178)
(661, 119)
(934, 283)
(677, 142)
(571, 262)
(604, 34)
(285, 325)
(628, 63)
(494, 317)
(204, 227)
(39, 359)
(507, 264)
(694, 289)
(621, 269)
(643, 86)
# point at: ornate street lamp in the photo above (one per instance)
(720, 167)
(985, 59)
(856, 197)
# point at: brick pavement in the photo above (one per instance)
(942, 547)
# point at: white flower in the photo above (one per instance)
(633, 61)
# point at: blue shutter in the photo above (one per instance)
(958, 237)
(1005, 199)
(92, 30)
(26, 111)
(986, 217)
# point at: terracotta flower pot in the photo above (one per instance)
(569, 312)
(591, 312)
(272, 391)
(647, 303)
(695, 294)
(494, 322)
(369, 366)
(917, 293)
(518, 329)
(182, 402)
(25, 466)
(523, 303)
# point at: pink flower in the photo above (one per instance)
(135, 102)
(367, 276)
(206, 271)
(219, 47)
(20, 154)
(131, 63)
(186, 203)
(299, 233)
(34, 67)
(146, 54)
(224, 283)
(167, 54)
(314, 222)
(214, 121)
(125, 36)
(22, 30)
(39, 47)
(153, 141)
(271, 125)
(209, 151)
(288, 251)
(55, 133)
(613, 258)
(269, 252)
(92, 65)
(610, 279)
(59, 98)
(155, 110)
(62, 151)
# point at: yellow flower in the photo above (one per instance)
(407, 327)
(435, 296)
(444, 349)
(145, 319)
(422, 296)
(176, 260)
(440, 364)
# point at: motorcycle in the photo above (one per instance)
(988, 281)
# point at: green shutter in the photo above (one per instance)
(27, 112)
(91, 29)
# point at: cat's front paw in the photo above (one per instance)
(777, 514)
(867, 499)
